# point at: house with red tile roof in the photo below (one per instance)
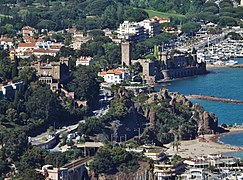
(37, 48)
(6, 42)
(114, 76)
(28, 31)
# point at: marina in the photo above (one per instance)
(223, 53)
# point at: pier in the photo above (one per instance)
(213, 98)
(224, 66)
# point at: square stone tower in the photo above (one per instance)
(126, 53)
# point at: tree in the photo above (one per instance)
(84, 84)
(33, 158)
(5, 67)
(15, 68)
(112, 53)
(227, 21)
(110, 159)
(30, 174)
(27, 74)
(190, 27)
(15, 144)
(42, 104)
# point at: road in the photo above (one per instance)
(41, 138)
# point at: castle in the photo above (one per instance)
(168, 64)
(53, 73)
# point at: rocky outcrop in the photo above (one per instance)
(206, 123)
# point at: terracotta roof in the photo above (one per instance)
(102, 73)
(28, 28)
(30, 44)
(6, 39)
(114, 72)
(56, 47)
(45, 50)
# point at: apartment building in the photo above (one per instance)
(131, 31)
(151, 27)
(138, 31)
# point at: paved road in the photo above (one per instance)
(41, 138)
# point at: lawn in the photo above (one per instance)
(153, 13)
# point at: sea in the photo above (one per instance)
(219, 82)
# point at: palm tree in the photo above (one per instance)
(176, 143)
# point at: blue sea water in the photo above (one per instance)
(235, 139)
(220, 82)
(234, 154)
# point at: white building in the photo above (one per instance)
(115, 76)
(28, 31)
(6, 42)
(151, 27)
(54, 173)
(155, 154)
(131, 31)
(138, 31)
(168, 171)
(85, 61)
(38, 49)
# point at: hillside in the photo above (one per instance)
(153, 13)
(159, 117)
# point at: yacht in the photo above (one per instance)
(219, 63)
(231, 63)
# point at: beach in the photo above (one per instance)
(204, 145)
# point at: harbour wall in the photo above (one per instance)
(213, 98)
(184, 72)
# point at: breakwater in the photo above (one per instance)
(213, 98)
(224, 66)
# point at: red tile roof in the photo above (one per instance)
(114, 72)
(6, 39)
(28, 28)
(45, 50)
(56, 47)
(29, 44)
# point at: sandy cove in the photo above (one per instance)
(204, 146)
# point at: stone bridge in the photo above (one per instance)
(77, 170)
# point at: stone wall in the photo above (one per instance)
(184, 72)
